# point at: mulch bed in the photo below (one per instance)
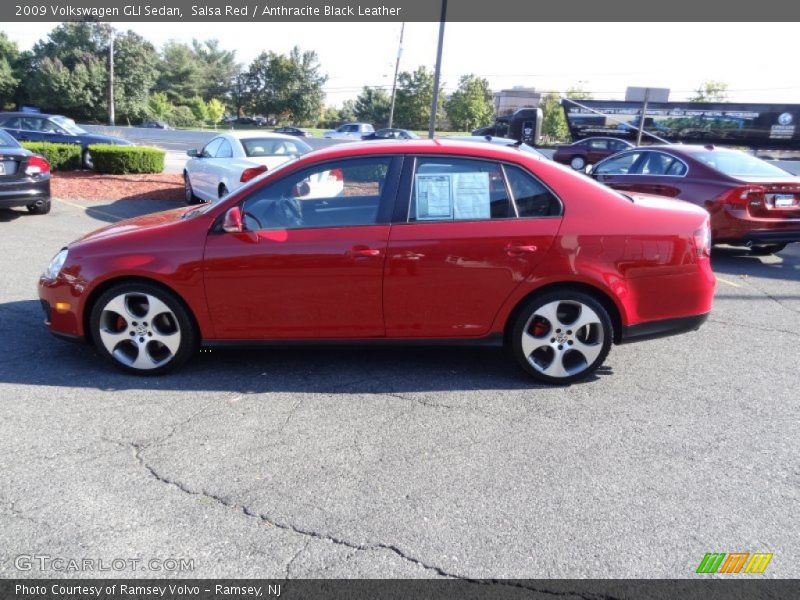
(86, 185)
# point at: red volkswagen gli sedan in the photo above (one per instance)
(426, 241)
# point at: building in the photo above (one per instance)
(509, 101)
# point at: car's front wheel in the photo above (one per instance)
(142, 328)
(578, 163)
(86, 160)
(562, 336)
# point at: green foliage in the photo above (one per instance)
(159, 107)
(412, 108)
(180, 74)
(372, 106)
(711, 91)
(471, 104)
(554, 123)
(135, 72)
(117, 160)
(8, 76)
(199, 109)
(577, 93)
(215, 110)
(62, 157)
(218, 69)
(182, 116)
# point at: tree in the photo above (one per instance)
(215, 110)
(218, 69)
(554, 123)
(159, 107)
(199, 109)
(135, 73)
(471, 104)
(412, 107)
(9, 54)
(372, 106)
(180, 73)
(711, 91)
(578, 93)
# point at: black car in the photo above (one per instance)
(24, 177)
(296, 131)
(391, 134)
(157, 125)
(36, 127)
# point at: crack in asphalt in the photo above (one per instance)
(751, 326)
(19, 514)
(775, 299)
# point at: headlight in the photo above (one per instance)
(55, 265)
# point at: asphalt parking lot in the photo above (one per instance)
(402, 462)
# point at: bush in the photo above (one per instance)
(119, 160)
(62, 157)
(182, 116)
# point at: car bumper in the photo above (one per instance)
(772, 237)
(662, 328)
(738, 227)
(23, 192)
(61, 305)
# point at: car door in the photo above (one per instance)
(199, 171)
(597, 151)
(305, 268)
(661, 174)
(468, 233)
(219, 169)
(619, 171)
(30, 129)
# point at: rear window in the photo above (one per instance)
(272, 147)
(7, 141)
(738, 164)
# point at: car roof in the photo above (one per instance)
(602, 137)
(261, 135)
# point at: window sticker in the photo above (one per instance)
(460, 196)
(434, 200)
(471, 194)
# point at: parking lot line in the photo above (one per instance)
(721, 280)
(83, 208)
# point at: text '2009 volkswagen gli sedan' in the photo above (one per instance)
(426, 242)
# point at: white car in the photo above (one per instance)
(229, 160)
(349, 131)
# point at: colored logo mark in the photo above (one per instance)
(737, 562)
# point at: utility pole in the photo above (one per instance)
(396, 70)
(641, 119)
(111, 78)
(437, 71)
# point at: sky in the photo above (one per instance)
(602, 58)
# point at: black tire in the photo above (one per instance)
(766, 249)
(556, 344)
(223, 191)
(127, 351)
(188, 192)
(41, 209)
(86, 160)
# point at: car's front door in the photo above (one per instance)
(471, 232)
(620, 171)
(199, 171)
(305, 268)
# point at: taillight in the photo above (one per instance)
(702, 240)
(752, 195)
(248, 174)
(336, 174)
(37, 165)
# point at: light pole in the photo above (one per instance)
(396, 69)
(437, 71)
(111, 78)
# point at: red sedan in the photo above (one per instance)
(430, 242)
(752, 202)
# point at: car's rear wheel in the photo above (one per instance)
(766, 249)
(86, 160)
(188, 191)
(578, 163)
(142, 328)
(562, 336)
(39, 209)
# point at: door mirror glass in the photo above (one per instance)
(193, 153)
(232, 222)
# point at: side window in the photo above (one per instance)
(224, 150)
(343, 193)
(532, 198)
(455, 189)
(31, 124)
(617, 165)
(617, 146)
(677, 169)
(598, 144)
(211, 148)
(10, 122)
(656, 163)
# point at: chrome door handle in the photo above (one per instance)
(519, 249)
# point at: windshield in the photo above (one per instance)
(7, 141)
(738, 164)
(69, 125)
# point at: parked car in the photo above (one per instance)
(349, 131)
(391, 134)
(752, 202)
(157, 125)
(296, 131)
(498, 141)
(589, 151)
(430, 242)
(231, 159)
(33, 127)
(24, 177)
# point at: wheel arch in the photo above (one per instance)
(104, 286)
(576, 286)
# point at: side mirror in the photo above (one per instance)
(193, 153)
(588, 169)
(232, 222)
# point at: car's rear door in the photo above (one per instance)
(620, 171)
(306, 268)
(460, 244)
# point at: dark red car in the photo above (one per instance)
(589, 151)
(430, 242)
(751, 202)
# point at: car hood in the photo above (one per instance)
(159, 221)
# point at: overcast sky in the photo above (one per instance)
(755, 59)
